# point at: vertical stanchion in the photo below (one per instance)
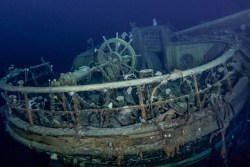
(197, 95)
(52, 101)
(226, 73)
(28, 110)
(143, 112)
(76, 107)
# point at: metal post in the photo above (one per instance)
(197, 95)
(76, 107)
(226, 73)
(28, 109)
(64, 101)
(52, 101)
(143, 112)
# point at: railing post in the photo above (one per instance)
(76, 107)
(197, 95)
(52, 101)
(64, 102)
(226, 73)
(28, 109)
(143, 112)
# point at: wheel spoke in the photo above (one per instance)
(109, 48)
(126, 57)
(117, 46)
(123, 50)
(127, 66)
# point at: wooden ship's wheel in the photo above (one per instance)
(119, 57)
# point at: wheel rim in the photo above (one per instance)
(120, 54)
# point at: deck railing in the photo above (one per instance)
(43, 105)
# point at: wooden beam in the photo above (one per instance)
(231, 21)
(28, 109)
(121, 84)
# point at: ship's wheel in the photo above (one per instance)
(119, 57)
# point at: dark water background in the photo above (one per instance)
(57, 30)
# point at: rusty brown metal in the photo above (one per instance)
(142, 106)
(76, 107)
(197, 94)
(64, 102)
(28, 110)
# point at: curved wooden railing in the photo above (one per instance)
(222, 59)
(138, 83)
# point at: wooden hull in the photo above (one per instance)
(121, 145)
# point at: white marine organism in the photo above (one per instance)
(243, 27)
(129, 90)
(20, 82)
(53, 156)
(34, 98)
(12, 99)
(49, 80)
(168, 91)
(146, 71)
(11, 68)
(31, 102)
(187, 81)
(142, 120)
(71, 93)
(56, 122)
(39, 98)
(158, 73)
(120, 98)
(110, 105)
(129, 76)
(221, 69)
